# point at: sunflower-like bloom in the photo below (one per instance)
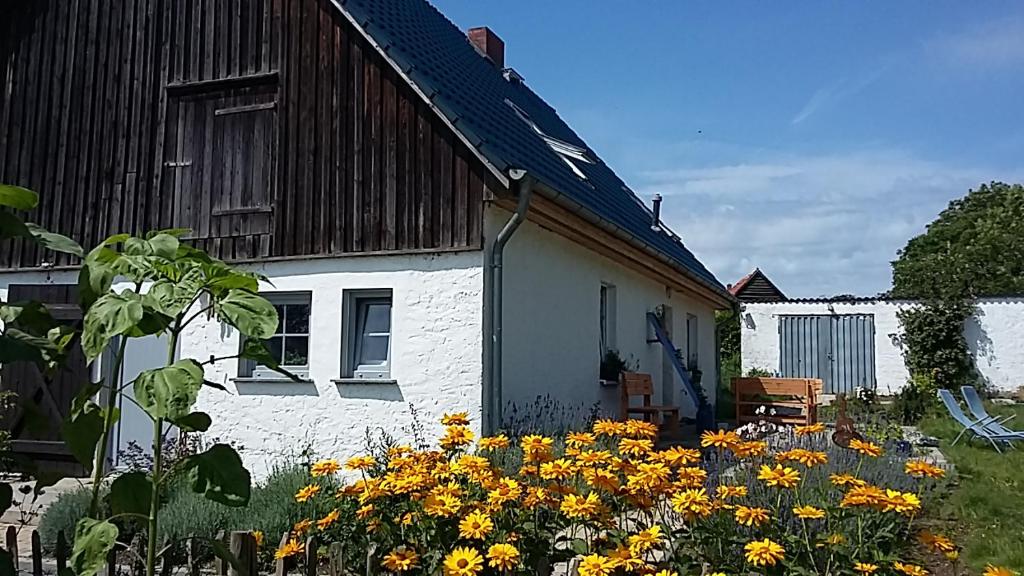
(909, 569)
(747, 516)
(644, 540)
(596, 565)
(605, 427)
(782, 477)
(726, 492)
(307, 492)
(401, 559)
(764, 552)
(504, 557)
(866, 448)
(808, 513)
(457, 419)
(360, 463)
(505, 490)
(922, 469)
(463, 561)
(493, 443)
(302, 526)
(692, 503)
(991, 570)
(719, 439)
(293, 547)
(456, 437)
(534, 444)
(475, 526)
(601, 479)
(809, 429)
(640, 429)
(846, 480)
(558, 470)
(691, 477)
(324, 468)
(325, 522)
(580, 439)
(865, 568)
(750, 449)
(902, 502)
(676, 456)
(635, 447)
(865, 495)
(575, 506)
(442, 505)
(809, 458)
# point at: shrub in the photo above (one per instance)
(64, 513)
(915, 400)
(793, 503)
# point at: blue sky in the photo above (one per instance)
(811, 139)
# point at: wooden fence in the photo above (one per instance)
(242, 546)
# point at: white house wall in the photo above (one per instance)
(552, 323)
(994, 335)
(436, 357)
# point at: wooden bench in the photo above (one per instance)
(637, 384)
(794, 399)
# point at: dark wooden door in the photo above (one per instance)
(35, 416)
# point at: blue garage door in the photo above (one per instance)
(839, 349)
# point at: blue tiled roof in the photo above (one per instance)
(474, 95)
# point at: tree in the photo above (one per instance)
(974, 248)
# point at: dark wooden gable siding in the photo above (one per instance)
(759, 289)
(268, 127)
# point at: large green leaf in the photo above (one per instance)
(257, 351)
(17, 197)
(54, 241)
(194, 422)
(131, 493)
(83, 427)
(252, 314)
(12, 227)
(169, 392)
(93, 540)
(218, 473)
(110, 315)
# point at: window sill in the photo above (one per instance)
(279, 380)
(365, 381)
(608, 383)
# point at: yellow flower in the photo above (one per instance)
(719, 439)
(579, 439)
(692, 477)
(326, 521)
(938, 542)
(302, 526)
(463, 561)
(324, 467)
(864, 495)
(677, 456)
(640, 429)
(808, 513)
(534, 444)
(991, 570)
(751, 449)
(725, 492)
(645, 540)
(455, 437)
(909, 569)
(778, 476)
(809, 458)
(360, 463)
(846, 480)
(593, 457)
(667, 572)
(747, 516)
(902, 502)
(635, 446)
(457, 419)
(764, 552)
(441, 505)
(475, 526)
(575, 506)
(607, 427)
(601, 479)
(506, 490)
(809, 429)
(560, 469)
(493, 442)
(624, 559)
(291, 548)
(865, 568)
(833, 540)
(258, 536)
(649, 476)
(504, 557)
(922, 469)
(595, 565)
(306, 493)
(866, 448)
(692, 503)
(401, 559)
(364, 512)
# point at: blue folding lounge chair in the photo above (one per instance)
(974, 427)
(991, 423)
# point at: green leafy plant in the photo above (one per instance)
(171, 285)
(612, 365)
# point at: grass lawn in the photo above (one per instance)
(986, 506)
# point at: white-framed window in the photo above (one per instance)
(290, 343)
(607, 316)
(367, 336)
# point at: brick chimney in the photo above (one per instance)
(488, 43)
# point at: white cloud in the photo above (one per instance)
(830, 95)
(818, 225)
(997, 43)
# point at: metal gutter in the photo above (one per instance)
(492, 397)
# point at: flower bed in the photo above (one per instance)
(610, 503)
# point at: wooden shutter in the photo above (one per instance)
(221, 161)
(34, 419)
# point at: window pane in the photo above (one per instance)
(374, 350)
(274, 345)
(280, 318)
(296, 350)
(378, 318)
(297, 321)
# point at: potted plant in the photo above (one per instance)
(612, 366)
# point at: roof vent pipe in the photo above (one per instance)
(656, 221)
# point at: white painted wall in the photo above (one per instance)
(436, 357)
(552, 326)
(995, 336)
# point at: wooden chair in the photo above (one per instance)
(636, 384)
(797, 397)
